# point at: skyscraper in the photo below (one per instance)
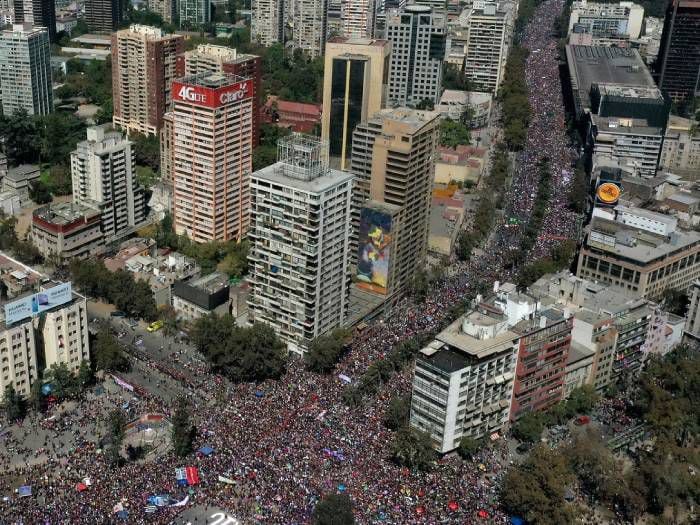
(299, 274)
(309, 26)
(39, 13)
(393, 158)
(103, 15)
(679, 56)
(194, 13)
(104, 176)
(417, 36)
(25, 70)
(165, 8)
(143, 67)
(268, 19)
(354, 88)
(221, 59)
(212, 152)
(357, 17)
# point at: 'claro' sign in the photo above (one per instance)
(212, 97)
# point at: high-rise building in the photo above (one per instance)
(680, 153)
(38, 13)
(165, 8)
(104, 175)
(393, 158)
(381, 8)
(606, 20)
(299, 273)
(679, 57)
(309, 26)
(357, 17)
(25, 70)
(221, 59)
(194, 13)
(212, 156)
(268, 20)
(31, 342)
(489, 33)
(354, 89)
(144, 64)
(103, 15)
(417, 36)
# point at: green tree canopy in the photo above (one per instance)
(325, 351)
(397, 413)
(333, 509)
(183, 431)
(412, 448)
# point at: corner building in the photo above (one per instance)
(212, 148)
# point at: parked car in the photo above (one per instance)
(118, 313)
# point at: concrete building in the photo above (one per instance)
(393, 158)
(25, 70)
(309, 26)
(268, 20)
(579, 368)
(357, 17)
(37, 13)
(103, 15)
(381, 9)
(489, 32)
(212, 156)
(194, 13)
(463, 380)
(454, 103)
(9, 203)
(642, 262)
(606, 20)
(354, 89)
(67, 231)
(221, 59)
(104, 176)
(692, 326)
(680, 153)
(143, 68)
(417, 37)
(200, 296)
(165, 8)
(19, 180)
(299, 236)
(679, 55)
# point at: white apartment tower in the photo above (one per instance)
(104, 177)
(212, 152)
(489, 31)
(268, 19)
(357, 18)
(309, 26)
(300, 224)
(417, 36)
(25, 70)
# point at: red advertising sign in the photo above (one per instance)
(212, 97)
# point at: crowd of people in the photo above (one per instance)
(282, 445)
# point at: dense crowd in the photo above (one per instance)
(286, 443)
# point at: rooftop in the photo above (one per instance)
(445, 359)
(22, 172)
(211, 283)
(625, 125)
(477, 348)
(64, 213)
(211, 80)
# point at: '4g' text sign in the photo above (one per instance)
(212, 97)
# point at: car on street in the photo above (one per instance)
(118, 313)
(155, 325)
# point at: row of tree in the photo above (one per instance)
(513, 95)
(25, 251)
(134, 297)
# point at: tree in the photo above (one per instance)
(64, 383)
(425, 104)
(334, 509)
(397, 413)
(116, 424)
(675, 301)
(582, 400)
(21, 136)
(168, 315)
(183, 430)
(419, 285)
(39, 192)
(453, 133)
(325, 351)
(146, 150)
(107, 353)
(412, 448)
(579, 192)
(36, 397)
(14, 404)
(209, 333)
(86, 376)
(253, 354)
(468, 447)
(529, 427)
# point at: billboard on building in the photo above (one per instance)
(37, 303)
(212, 97)
(608, 193)
(374, 250)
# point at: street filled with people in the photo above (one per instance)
(281, 445)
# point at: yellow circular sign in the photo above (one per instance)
(608, 192)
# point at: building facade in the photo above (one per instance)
(221, 59)
(103, 15)
(354, 88)
(67, 231)
(300, 214)
(624, 19)
(212, 156)
(393, 157)
(268, 21)
(309, 26)
(680, 153)
(357, 18)
(194, 13)
(679, 55)
(692, 325)
(165, 8)
(144, 64)
(104, 176)
(37, 13)
(417, 36)
(25, 70)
